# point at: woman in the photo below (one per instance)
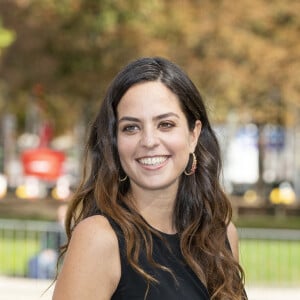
(150, 220)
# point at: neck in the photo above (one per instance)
(157, 208)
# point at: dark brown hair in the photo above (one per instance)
(202, 210)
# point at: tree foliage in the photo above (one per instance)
(243, 55)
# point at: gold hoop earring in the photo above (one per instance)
(123, 179)
(193, 166)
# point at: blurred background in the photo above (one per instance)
(57, 58)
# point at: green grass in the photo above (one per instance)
(264, 262)
(15, 252)
(271, 262)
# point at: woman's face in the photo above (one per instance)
(154, 141)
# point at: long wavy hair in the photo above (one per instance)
(202, 210)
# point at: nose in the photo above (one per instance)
(149, 138)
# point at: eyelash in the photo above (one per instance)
(129, 128)
(166, 125)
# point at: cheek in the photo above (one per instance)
(180, 142)
(125, 147)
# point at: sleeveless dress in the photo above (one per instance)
(133, 286)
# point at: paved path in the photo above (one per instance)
(24, 289)
(273, 293)
(30, 289)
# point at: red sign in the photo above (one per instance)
(43, 163)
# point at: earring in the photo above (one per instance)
(193, 166)
(123, 179)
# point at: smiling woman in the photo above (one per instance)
(150, 219)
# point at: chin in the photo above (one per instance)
(158, 185)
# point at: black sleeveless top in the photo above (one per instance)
(133, 286)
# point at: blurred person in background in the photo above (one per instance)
(43, 264)
(150, 219)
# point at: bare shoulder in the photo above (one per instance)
(91, 268)
(94, 234)
(233, 238)
(96, 229)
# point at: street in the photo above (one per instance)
(31, 289)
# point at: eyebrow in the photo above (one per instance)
(159, 117)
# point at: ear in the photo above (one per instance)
(195, 133)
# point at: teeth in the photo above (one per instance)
(152, 161)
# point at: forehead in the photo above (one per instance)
(148, 98)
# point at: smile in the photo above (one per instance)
(152, 161)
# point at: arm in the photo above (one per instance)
(91, 268)
(233, 240)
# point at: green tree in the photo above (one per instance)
(243, 55)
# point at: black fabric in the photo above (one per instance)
(133, 286)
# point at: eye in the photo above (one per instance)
(130, 128)
(166, 125)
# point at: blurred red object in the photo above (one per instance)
(43, 163)
(46, 134)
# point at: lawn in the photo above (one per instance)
(271, 262)
(15, 252)
(264, 262)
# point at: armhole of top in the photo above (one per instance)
(121, 243)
